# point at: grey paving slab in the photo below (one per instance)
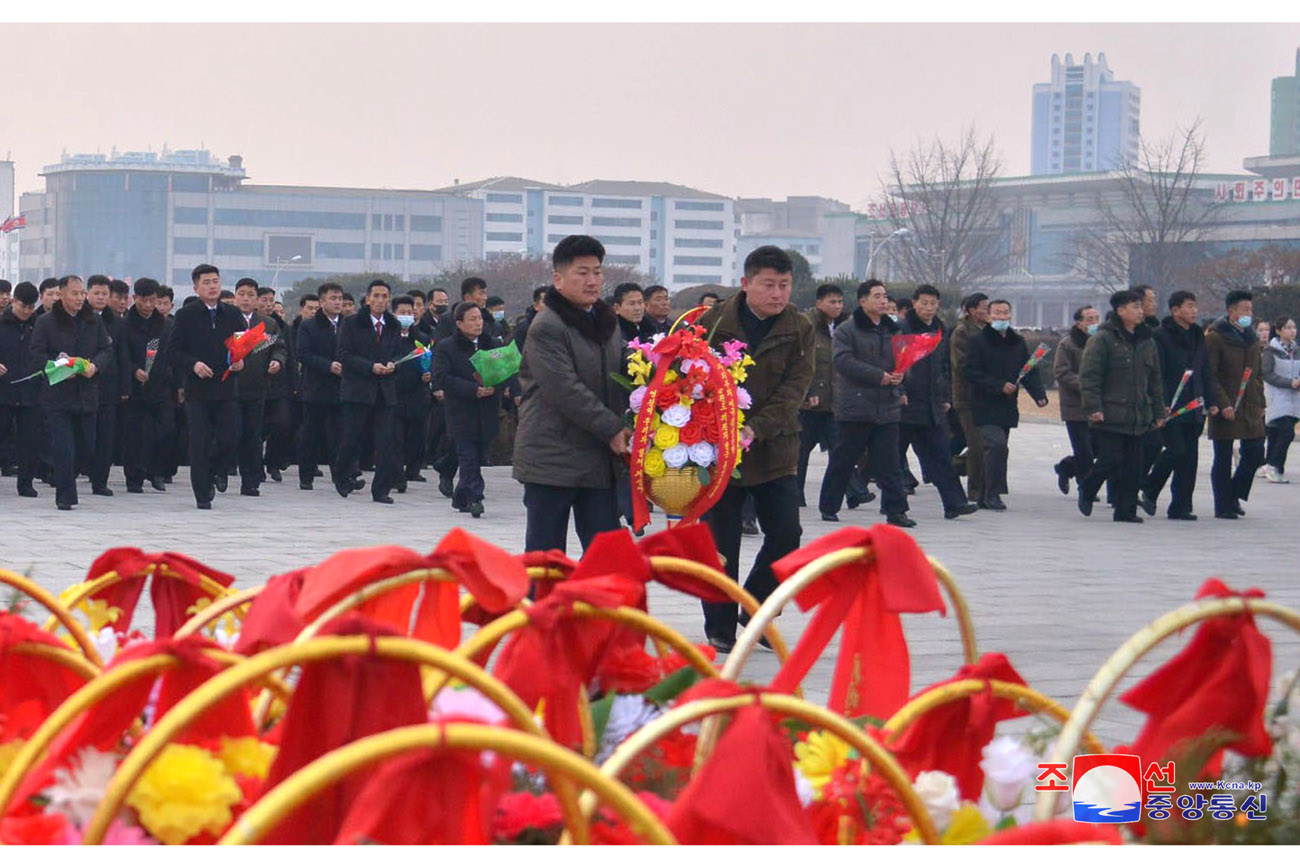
(1054, 591)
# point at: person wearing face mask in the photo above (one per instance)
(473, 290)
(1181, 344)
(1065, 369)
(993, 363)
(414, 397)
(975, 316)
(496, 310)
(1281, 362)
(1233, 348)
(434, 311)
(20, 403)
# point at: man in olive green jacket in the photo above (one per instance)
(975, 317)
(1123, 397)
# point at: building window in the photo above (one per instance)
(698, 205)
(698, 243)
(283, 248)
(506, 197)
(712, 225)
(713, 261)
(514, 237)
(619, 240)
(190, 215)
(699, 279)
(504, 217)
(190, 245)
(562, 220)
(426, 253)
(189, 183)
(626, 203)
(340, 251)
(565, 201)
(399, 223)
(426, 223)
(289, 219)
(622, 260)
(226, 247)
(621, 222)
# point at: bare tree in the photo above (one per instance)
(946, 224)
(1144, 232)
(1268, 267)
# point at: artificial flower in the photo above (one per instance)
(732, 352)
(818, 756)
(677, 455)
(628, 669)
(666, 437)
(803, 788)
(702, 454)
(743, 400)
(966, 827)
(79, 787)
(675, 661)
(521, 811)
(636, 398)
(638, 368)
(466, 703)
(691, 433)
(667, 396)
(184, 792)
(676, 416)
(676, 749)
(670, 377)
(740, 369)
(704, 413)
(40, 829)
(654, 463)
(1008, 767)
(99, 613)
(105, 643)
(697, 392)
(121, 833)
(627, 714)
(246, 756)
(938, 790)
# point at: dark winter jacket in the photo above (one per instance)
(1231, 351)
(469, 416)
(414, 395)
(79, 336)
(958, 345)
(571, 408)
(629, 329)
(316, 349)
(1120, 376)
(255, 379)
(112, 381)
(139, 332)
(1184, 349)
(992, 360)
(283, 383)
(863, 354)
(360, 348)
(521, 328)
(777, 384)
(16, 355)
(1065, 369)
(823, 381)
(195, 337)
(928, 384)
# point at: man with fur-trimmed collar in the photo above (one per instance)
(571, 439)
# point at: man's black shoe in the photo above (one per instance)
(9, 471)
(476, 509)
(1085, 503)
(900, 519)
(358, 484)
(830, 518)
(1126, 518)
(1148, 504)
(64, 506)
(723, 645)
(205, 505)
(1063, 482)
(749, 527)
(994, 504)
(158, 484)
(343, 488)
(135, 488)
(27, 492)
(910, 489)
(416, 477)
(304, 485)
(1226, 515)
(399, 488)
(221, 481)
(852, 502)
(250, 493)
(102, 491)
(275, 475)
(384, 500)
(1188, 516)
(960, 510)
(445, 486)
(1241, 512)
(318, 472)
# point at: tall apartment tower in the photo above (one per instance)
(1084, 120)
(1284, 131)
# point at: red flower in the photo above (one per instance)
(521, 811)
(674, 662)
(628, 669)
(703, 411)
(667, 396)
(608, 829)
(692, 432)
(42, 829)
(676, 750)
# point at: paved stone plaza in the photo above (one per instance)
(1054, 591)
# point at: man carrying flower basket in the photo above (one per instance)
(780, 341)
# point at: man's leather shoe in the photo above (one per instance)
(399, 488)
(135, 488)
(27, 492)
(205, 505)
(250, 493)
(1085, 503)
(102, 491)
(158, 484)
(384, 500)
(900, 519)
(1063, 482)
(304, 485)
(830, 518)
(416, 477)
(723, 645)
(343, 488)
(358, 484)
(445, 486)
(1241, 512)
(221, 481)
(994, 504)
(318, 472)
(1188, 516)
(960, 510)
(275, 475)
(1127, 518)
(64, 506)
(1226, 515)
(1148, 504)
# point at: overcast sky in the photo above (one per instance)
(738, 109)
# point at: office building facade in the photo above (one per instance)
(1284, 125)
(1083, 119)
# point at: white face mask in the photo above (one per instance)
(406, 320)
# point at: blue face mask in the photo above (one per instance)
(893, 317)
(499, 315)
(1244, 321)
(1092, 329)
(1000, 325)
(406, 320)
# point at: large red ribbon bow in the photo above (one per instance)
(30, 686)
(174, 596)
(873, 671)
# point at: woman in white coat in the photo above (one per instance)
(1281, 372)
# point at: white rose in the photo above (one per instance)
(703, 454)
(1008, 767)
(636, 398)
(676, 415)
(676, 456)
(938, 790)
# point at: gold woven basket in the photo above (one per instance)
(676, 489)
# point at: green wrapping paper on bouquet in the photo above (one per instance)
(494, 366)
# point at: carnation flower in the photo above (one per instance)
(1008, 766)
(627, 715)
(246, 756)
(79, 787)
(938, 790)
(466, 703)
(39, 829)
(184, 792)
(666, 436)
(703, 454)
(120, 833)
(676, 416)
(628, 669)
(520, 811)
(677, 455)
(654, 463)
(743, 400)
(636, 398)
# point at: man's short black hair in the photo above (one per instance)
(305, 299)
(226, 295)
(347, 296)
(973, 300)
(827, 289)
(576, 247)
(263, 291)
(904, 304)
(650, 291)
(403, 301)
(6, 287)
(1079, 313)
(374, 283)
(119, 288)
(1236, 296)
(167, 292)
(97, 280)
(146, 287)
(713, 295)
(925, 289)
(1180, 297)
(326, 288)
(1141, 290)
(245, 281)
(192, 299)
(436, 289)
(26, 293)
(469, 284)
(1124, 297)
(625, 289)
(416, 293)
(462, 310)
(200, 270)
(768, 256)
(49, 283)
(68, 278)
(495, 301)
(540, 292)
(865, 287)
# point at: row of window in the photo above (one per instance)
(504, 217)
(324, 249)
(700, 279)
(698, 243)
(707, 261)
(506, 197)
(625, 203)
(506, 236)
(304, 219)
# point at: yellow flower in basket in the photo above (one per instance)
(654, 462)
(671, 377)
(666, 437)
(819, 756)
(183, 793)
(246, 756)
(739, 370)
(638, 368)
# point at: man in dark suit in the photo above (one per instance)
(413, 395)
(149, 413)
(260, 369)
(369, 343)
(316, 349)
(473, 290)
(112, 387)
(197, 351)
(20, 404)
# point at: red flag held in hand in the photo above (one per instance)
(911, 348)
(241, 345)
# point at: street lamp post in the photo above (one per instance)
(280, 263)
(875, 248)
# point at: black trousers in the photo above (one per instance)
(932, 449)
(179, 449)
(377, 420)
(996, 441)
(1231, 488)
(1082, 443)
(277, 432)
(24, 422)
(252, 414)
(776, 503)
(471, 455)
(72, 437)
(974, 455)
(815, 428)
(322, 425)
(880, 441)
(1280, 435)
(1179, 458)
(595, 510)
(214, 438)
(149, 430)
(1119, 461)
(441, 453)
(415, 442)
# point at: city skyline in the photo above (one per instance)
(717, 107)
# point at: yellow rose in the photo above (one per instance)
(818, 756)
(666, 436)
(184, 792)
(654, 462)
